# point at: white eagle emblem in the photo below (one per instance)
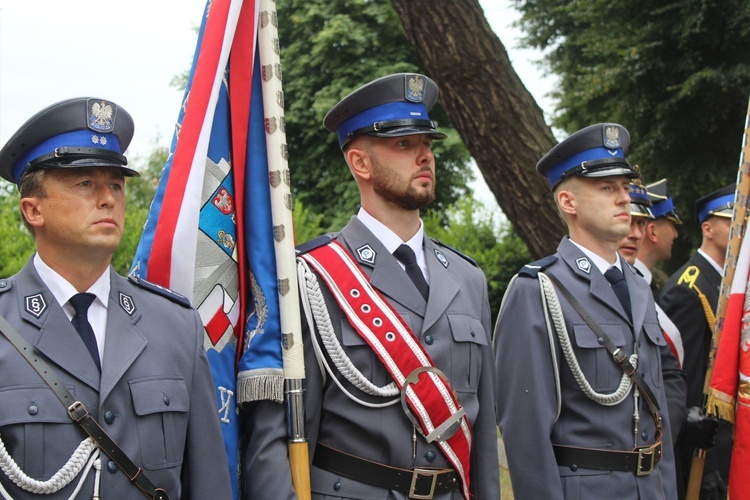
(415, 86)
(102, 116)
(612, 137)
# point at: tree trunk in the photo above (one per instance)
(498, 119)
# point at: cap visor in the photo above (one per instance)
(405, 131)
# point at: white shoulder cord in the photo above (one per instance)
(83, 459)
(551, 338)
(553, 305)
(315, 305)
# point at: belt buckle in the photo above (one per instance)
(416, 473)
(651, 456)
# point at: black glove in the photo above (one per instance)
(698, 429)
(713, 487)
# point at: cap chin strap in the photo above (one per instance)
(69, 155)
(385, 126)
(594, 165)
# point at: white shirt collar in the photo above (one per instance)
(601, 264)
(712, 262)
(63, 290)
(391, 241)
(388, 238)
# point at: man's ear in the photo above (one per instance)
(31, 211)
(359, 161)
(566, 200)
(650, 233)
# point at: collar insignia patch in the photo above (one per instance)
(366, 254)
(584, 264)
(35, 305)
(127, 304)
(441, 257)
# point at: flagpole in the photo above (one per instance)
(736, 233)
(281, 210)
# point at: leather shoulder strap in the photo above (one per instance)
(620, 357)
(79, 414)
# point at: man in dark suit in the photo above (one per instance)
(366, 439)
(573, 423)
(690, 298)
(130, 352)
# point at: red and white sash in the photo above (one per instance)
(425, 389)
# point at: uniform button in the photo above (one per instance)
(111, 466)
(3, 284)
(430, 456)
(644, 436)
(600, 340)
(428, 339)
(33, 409)
(473, 333)
(109, 417)
(337, 486)
(166, 400)
(639, 344)
(574, 467)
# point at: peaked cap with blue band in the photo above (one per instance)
(639, 202)
(595, 151)
(79, 132)
(662, 204)
(390, 106)
(719, 203)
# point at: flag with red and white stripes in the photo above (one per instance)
(209, 233)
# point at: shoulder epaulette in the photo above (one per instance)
(315, 243)
(689, 276)
(160, 290)
(531, 270)
(5, 285)
(460, 254)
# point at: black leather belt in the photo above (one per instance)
(417, 483)
(641, 460)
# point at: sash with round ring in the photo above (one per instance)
(425, 391)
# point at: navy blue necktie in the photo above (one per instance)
(406, 256)
(620, 287)
(81, 303)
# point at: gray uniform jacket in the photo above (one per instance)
(453, 327)
(155, 396)
(527, 401)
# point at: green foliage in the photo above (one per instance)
(307, 225)
(329, 48)
(675, 73)
(475, 230)
(18, 245)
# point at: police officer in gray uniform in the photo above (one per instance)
(575, 425)
(363, 443)
(130, 352)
